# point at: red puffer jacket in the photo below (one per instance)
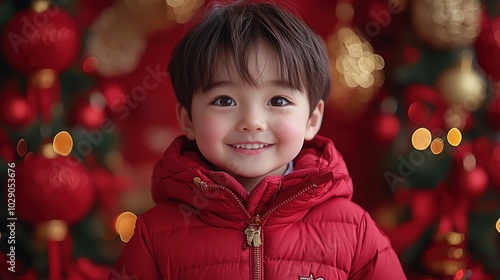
(299, 226)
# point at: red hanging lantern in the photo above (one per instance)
(53, 189)
(41, 42)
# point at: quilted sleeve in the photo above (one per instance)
(374, 258)
(136, 261)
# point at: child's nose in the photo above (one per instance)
(251, 121)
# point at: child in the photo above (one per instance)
(250, 191)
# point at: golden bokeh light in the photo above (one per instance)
(356, 69)
(498, 225)
(437, 146)
(455, 238)
(421, 139)
(40, 6)
(455, 253)
(48, 151)
(454, 137)
(63, 143)
(450, 24)
(44, 78)
(182, 10)
(56, 230)
(125, 225)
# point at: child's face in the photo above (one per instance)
(251, 131)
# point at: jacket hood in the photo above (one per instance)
(183, 175)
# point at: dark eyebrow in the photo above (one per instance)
(277, 83)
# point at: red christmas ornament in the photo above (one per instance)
(89, 116)
(386, 128)
(425, 107)
(473, 183)
(488, 48)
(469, 178)
(16, 110)
(115, 96)
(53, 189)
(34, 41)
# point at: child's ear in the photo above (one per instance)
(314, 122)
(184, 121)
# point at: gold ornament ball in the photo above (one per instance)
(447, 24)
(461, 86)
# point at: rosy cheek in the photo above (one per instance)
(285, 127)
(210, 129)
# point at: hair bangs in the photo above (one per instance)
(232, 34)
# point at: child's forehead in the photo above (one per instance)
(261, 61)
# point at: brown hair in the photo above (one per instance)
(232, 31)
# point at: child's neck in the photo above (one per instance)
(249, 183)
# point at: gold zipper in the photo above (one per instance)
(203, 186)
(256, 263)
(320, 180)
(253, 231)
(288, 200)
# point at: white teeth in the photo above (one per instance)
(250, 146)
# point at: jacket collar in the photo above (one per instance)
(184, 175)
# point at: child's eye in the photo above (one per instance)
(224, 101)
(278, 101)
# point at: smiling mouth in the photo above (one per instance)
(249, 146)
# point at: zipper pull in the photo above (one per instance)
(257, 241)
(250, 232)
(253, 235)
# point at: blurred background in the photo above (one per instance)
(87, 108)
